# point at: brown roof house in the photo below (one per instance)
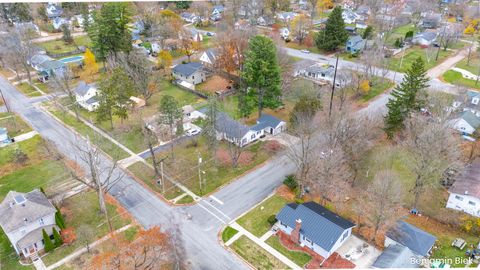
(23, 217)
(465, 191)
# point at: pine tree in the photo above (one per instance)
(59, 220)
(67, 35)
(47, 241)
(57, 238)
(405, 97)
(334, 34)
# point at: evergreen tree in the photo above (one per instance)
(67, 35)
(367, 34)
(47, 241)
(109, 31)
(42, 13)
(334, 34)
(405, 97)
(261, 75)
(209, 130)
(59, 220)
(57, 238)
(114, 96)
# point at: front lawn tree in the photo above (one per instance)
(67, 35)
(334, 34)
(209, 129)
(171, 115)
(261, 75)
(109, 30)
(114, 96)
(405, 97)
(300, 26)
(63, 83)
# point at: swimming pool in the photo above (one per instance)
(72, 59)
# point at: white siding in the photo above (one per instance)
(465, 203)
(17, 235)
(462, 126)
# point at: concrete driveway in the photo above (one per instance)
(361, 253)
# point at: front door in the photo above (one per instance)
(31, 249)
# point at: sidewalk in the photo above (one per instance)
(265, 246)
(39, 265)
(84, 249)
(449, 63)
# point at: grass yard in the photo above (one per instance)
(298, 257)
(8, 257)
(83, 209)
(400, 32)
(456, 78)
(186, 199)
(295, 45)
(207, 42)
(44, 87)
(228, 233)
(28, 90)
(377, 88)
(256, 255)
(58, 46)
(14, 124)
(106, 145)
(473, 66)
(411, 54)
(255, 221)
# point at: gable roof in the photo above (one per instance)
(328, 70)
(51, 65)
(39, 58)
(319, 224)
(218, 8)
(211, 54)
(468, 182)
(470, 118)
(14, 215)
(188, 68)
(233, 129)
(396, 256)
(265, 121)
(430, 36)
(82, 88)
(412, 237)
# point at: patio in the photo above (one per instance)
(359, 252)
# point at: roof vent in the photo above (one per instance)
(466, 192)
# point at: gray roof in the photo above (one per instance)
(3, 131)
(233, 129)
(287, 15)
(211, 54)
(328, 70)
(92, 100)
(468, 182)
(51, 65)
(82, 88)
(319, 224)
(396, 256)
(219, 8)
(427, 36)
(471, 119)
(39, 58)
(188, 68)
(14, 215)
(412, 237)
(265, 121)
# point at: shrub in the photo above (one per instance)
(57, 238)
(291, 182)
(68, 236)
(272, 219)
(47, 241)
(299, 201)
(59, 220)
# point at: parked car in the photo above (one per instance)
(305, 51)
(210, 34)
(193, 131)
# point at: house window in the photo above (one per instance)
(472, 203)
(344, 235)
(460, 198)
(193, 77)
(41, 221)
(307, 240)
(253, 136)
(475, 101)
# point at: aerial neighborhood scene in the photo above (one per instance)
(240, 134)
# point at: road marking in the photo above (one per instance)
(216, 199)
(212, 213)
(218, 210)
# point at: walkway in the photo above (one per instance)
(84, 249)
(25, 136)
(465, 73)
(265, 246)
(39, 265)
(450, 62)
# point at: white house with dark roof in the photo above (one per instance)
(86, 96)
(315, 227)
(418, 241)
(53, 10)
(209, 57)
(466, 123)
(425, 38)
(286, 16)
(189, 74)
(465, 191)
(397, 256)
(23, 217)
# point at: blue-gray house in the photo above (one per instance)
(355, 44)
(416, 240)
(312, 225)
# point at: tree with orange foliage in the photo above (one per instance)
(152, 249)
(68, 236)
(164, 59)
(300, 26)
(231, 46)
(90, 65)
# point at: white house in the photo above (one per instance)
(189, 74)
(325, 73)
(315, 227)
(241, 135)
(209, 57)
(286, 16)
(218, 10)
(465, 191)
(189, 17)
(349, 16)
(23, 218)
(415, 239)
(58, 22)
(284, 33)
(86, 96)
(53, 10)
(425, 38)
(466, 123)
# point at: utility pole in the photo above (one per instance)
(441, 41)
(333, 86)
(4, 101)
(162, 179)
(200, 172)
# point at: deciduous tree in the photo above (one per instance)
(90, 66)
(300, 26)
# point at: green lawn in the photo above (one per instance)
(8, 257)
(456, 78)
(59, 46)
(14, 124)
(84, 209)
(299, 257)
(377, 88)
(411, 54)
(295, 45)
(400, 32)
(256, 255)
(185, 199)
(44, 87)
(28, 90)
(473, 66)
(228, 233)
(106, 145)
(255, 221)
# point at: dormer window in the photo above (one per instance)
(456, 104)
(475, 100)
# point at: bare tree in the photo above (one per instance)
(384, 197)
(85, 233)
(19, 41)
(101, 177)
(63, 82)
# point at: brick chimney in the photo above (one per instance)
(295, 235)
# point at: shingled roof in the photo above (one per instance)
(396, 256)
(319, 224)
(415, 239)
(468, 182)
(188, 68)
(20, 208)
